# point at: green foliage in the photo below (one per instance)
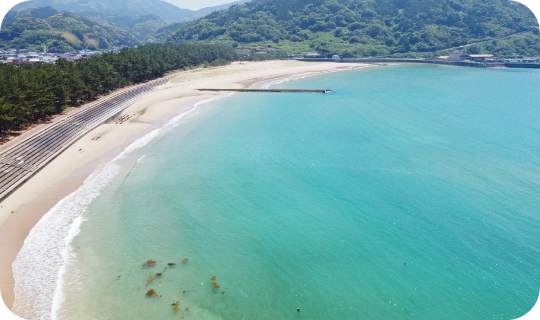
(163, 32)
(142, 27)
(516, 46)
(33, 92)
(101, 8)
(38, 13)
(61, 32)
(364, 27)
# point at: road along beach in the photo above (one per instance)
(24, 207)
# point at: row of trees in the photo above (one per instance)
(31, 93)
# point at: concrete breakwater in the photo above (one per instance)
(271, 90)
(522, 65)
(443, 62)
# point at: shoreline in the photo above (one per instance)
(67, 173)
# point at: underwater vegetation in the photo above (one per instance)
(149, 263)
(152, 293)
(176, 305)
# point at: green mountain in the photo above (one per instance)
(371, 27)
(162, 33)
(38, 13)
(102, 8)
(108, 8)
(61, 32)
(140, 26)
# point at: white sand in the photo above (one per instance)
(64, 174)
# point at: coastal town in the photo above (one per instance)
(23, 56)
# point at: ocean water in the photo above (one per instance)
(409, 192)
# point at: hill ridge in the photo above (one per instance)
(369, 27)
(100, 8)
(63, 31)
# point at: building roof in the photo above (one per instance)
(481, 55)
(444, 57)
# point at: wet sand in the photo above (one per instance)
(67, 172)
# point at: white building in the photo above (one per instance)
(481, 57)
(312, 55)
(459, 56)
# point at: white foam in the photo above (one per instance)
(38, 264)
(268, 84)
(41, 264)
(67, 255)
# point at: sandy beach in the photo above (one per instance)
(20, 212)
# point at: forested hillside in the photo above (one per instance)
(61, 32)
(107, 8)
(33, 92)
(371, 27)
(148, 21)
(38, 13)
(140, 26)
(100, 8)
(162, 33)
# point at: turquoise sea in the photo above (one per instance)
(409, 192)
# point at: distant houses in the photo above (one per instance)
(486, 58)
(460, 56)
(22, 56)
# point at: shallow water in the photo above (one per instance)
(410, 192)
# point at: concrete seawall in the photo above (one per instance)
(271, 90)
(522, 65)
(443, 62)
